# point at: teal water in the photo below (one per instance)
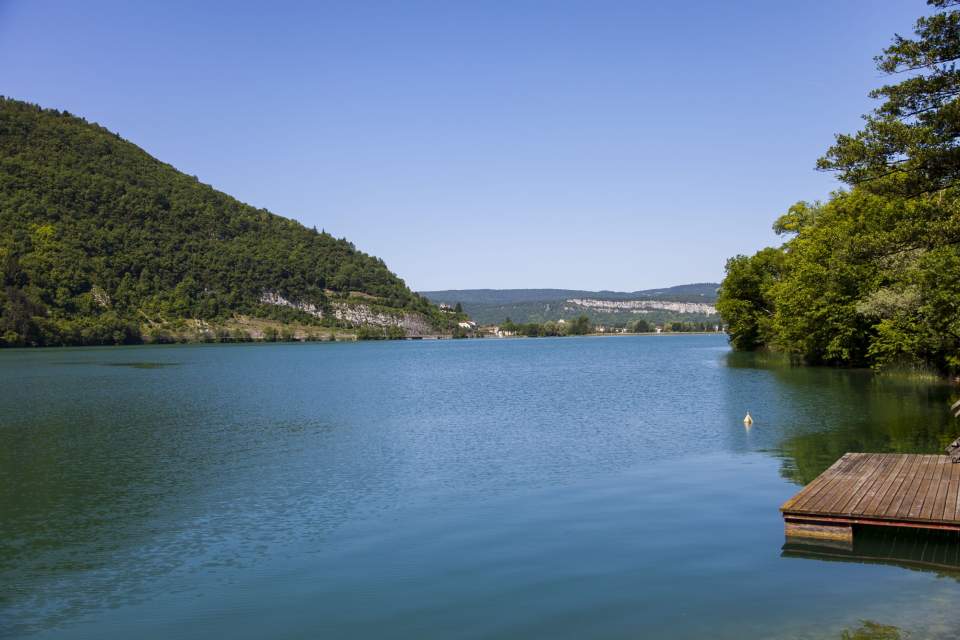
(561, 488)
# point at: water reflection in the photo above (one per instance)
(78, 491)
(813, 415)
(933, 551)
(113, 481)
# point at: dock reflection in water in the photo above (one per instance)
(930, 550)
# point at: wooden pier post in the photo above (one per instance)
(834, 532)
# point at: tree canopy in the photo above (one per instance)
(912, 136)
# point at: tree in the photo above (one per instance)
(458, 308)
(826, 270)
(866, 279)
(910, 144)
(531, 330)
(581, 326)
(746, 301)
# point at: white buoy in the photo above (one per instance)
(748, 419)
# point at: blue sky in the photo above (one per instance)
(617, 145)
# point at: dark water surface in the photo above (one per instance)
(560, 488)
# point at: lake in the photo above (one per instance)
(541, 488)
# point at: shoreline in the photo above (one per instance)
(348, 337)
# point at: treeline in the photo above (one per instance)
(871, 277)
(98, 239)
(583, 326)
(579, 327)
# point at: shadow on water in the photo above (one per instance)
(816, 414)
(932, 551)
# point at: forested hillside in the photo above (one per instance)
(872, 276)
(100, 242)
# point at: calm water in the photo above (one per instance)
(561, 488)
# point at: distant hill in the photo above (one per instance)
(699, 292)
(488, 306)
(102, 243)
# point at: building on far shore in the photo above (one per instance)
(498, 332)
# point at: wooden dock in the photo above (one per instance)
(878, 489)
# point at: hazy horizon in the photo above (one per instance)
(669, 286)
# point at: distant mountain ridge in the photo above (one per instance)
(696, 292)
(686, 302)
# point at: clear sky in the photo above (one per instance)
(589, 144)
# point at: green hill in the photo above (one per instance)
(101, 243)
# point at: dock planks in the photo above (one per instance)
(887, 489)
